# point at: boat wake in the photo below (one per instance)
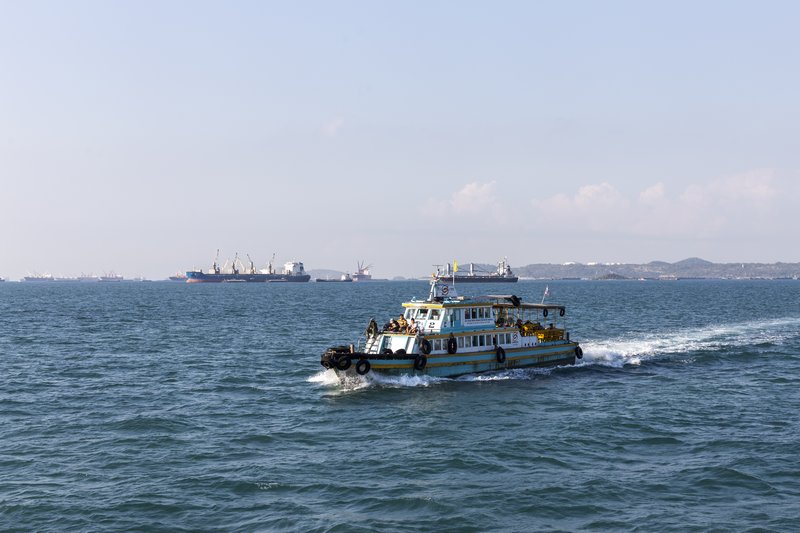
(632, 351)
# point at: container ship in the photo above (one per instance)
(236, 272)
(502, 274)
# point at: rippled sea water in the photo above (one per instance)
(175, 407)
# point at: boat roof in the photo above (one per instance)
(507, 301)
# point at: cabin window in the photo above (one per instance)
(437, 344)
(421, 314)
(494, 340)
(475, 340)
(468, 342)
(434, 314)
(451, 318)
(461, 342)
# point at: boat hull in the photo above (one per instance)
(202, 277)
(452, 365)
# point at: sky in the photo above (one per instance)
(140, 137)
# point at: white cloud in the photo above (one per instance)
(331, 129)
(701, 210)
(474, 198)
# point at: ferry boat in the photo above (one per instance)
(447, 335)
(502, 273)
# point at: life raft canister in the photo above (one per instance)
(420, 361)
(362, 367)
(500, 353)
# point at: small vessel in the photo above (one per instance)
(344, 278)
(111, 277)
(38, 277)
(88, 277)
(179, 276)
(362, 272)
(502, 274)
(236, 271)
(446, 335)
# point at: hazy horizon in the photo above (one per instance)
(140, 138)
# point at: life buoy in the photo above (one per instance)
(452, 345)
(400, 352)
(362, 367)
(425, 346)
(500, 353)
(544, 312)
(344, 363)
(578, 352)
(561, 312)
(387, 351)
(420, 361)
(445, 290)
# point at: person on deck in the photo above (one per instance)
(412, 327)
(402, 324)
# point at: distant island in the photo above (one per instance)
(692, 268)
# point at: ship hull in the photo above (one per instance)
(454, 365)
(202, 277)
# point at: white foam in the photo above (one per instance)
(632, 351)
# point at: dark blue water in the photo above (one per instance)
(175, 407)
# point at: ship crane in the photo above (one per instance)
(215, 267)
(252, 269)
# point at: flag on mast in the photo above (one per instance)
(455, 266)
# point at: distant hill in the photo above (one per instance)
(693, 267)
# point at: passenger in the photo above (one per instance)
(402, 325)
(393, 325)
(412, 327)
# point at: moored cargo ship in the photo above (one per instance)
(292, 271)
(502, 274)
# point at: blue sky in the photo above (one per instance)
(141, 136)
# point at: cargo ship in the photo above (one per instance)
(237, 272)
(502, 274)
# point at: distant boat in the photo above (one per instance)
(88, 277)
(362, 274)
(111, 276)
(502, 274)
(344, 278)
(38, 277)
(179, 276)
(236, 271)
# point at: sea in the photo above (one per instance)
(203, 407)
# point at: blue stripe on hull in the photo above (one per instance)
(451, 365)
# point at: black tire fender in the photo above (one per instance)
(452, 345)
(500, 354)
(578, 352)
(425, 346)
(420, 361)
(561, 312)
(344, 362)
(362, 367)
(387, 351)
